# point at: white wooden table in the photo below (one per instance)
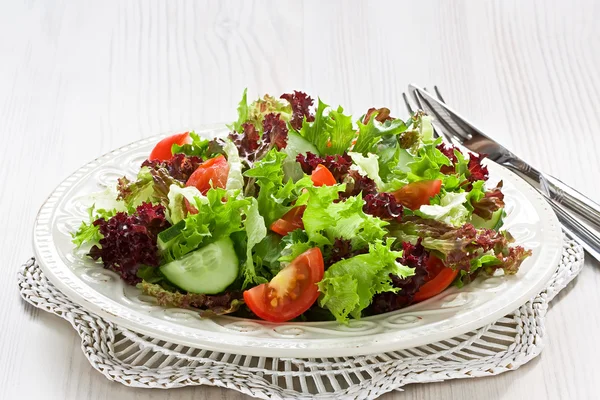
(78, 79)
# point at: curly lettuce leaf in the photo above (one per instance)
(367, 166)
(268, 169)
(450, 210)
(199, 147)
(485, 204)
(349, 285)
(339, 131)
(314, 131)
(276, 198)
(88, 233)
(300, 104)
(206, 305)
(268, 105)
(459, 246)
(373, 131)
(428, 161)
(134, 193)
(255, 113)
(242, 110)
(324, 220)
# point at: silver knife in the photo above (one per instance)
(466, 134)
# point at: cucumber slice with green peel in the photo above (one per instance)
(494, 223)
(208, 270)
(166, 237)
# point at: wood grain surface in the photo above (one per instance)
(78, 79)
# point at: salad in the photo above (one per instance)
(302, 213)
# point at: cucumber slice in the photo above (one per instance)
(494, 223)
(166, 237)
(209, 270)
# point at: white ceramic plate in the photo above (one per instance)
(452, 313)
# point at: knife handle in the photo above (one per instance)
(578, 232)
(570, 198)
(583, 235)
(562, 194)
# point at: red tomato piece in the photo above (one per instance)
(416, 194)
(291, 221)
(213, 171)
(291, 292)
(442, 278)
(322, 176)
(162, 150)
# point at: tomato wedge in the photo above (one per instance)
(291, 221)
(442, 278)
(322, 176)
(213, 171)
(291, 292)
(416, 194)
(162, 150)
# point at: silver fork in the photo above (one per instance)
(459, 131)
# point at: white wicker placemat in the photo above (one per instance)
(141, 361)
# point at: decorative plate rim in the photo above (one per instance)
(247, 343)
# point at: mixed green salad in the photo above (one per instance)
(302, 213)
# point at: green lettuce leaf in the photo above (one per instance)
(392, 158)
(88, 233)
(324, 220)
(242, 113)
(295, 243)
(256, 232)
(256, 111)
(268, 169)
(199, 147)
(235, 179)
(266, 253)
(296, 144)
(485, 261)
(370, 134)
(134, 193)
(451, 209)
(428, 161)
(368, 166)
(314, 131)
(276, 198)
(349, 285)
(176, 210)
(474, 195)
(339, 131)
